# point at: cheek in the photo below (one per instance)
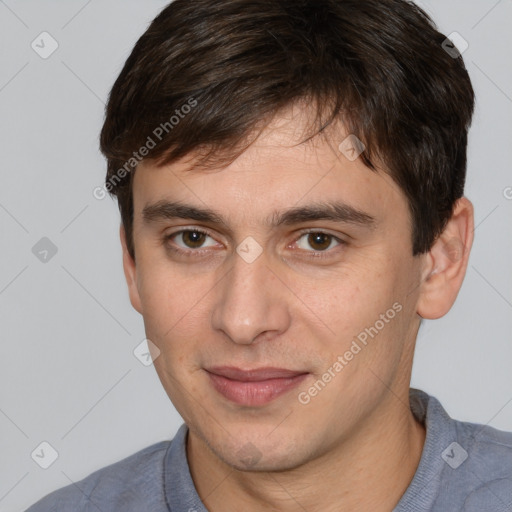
(166, 299)
(347, 299)
(177, 311)
(362, 311)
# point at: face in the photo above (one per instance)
(303, 264)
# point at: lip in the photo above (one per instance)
(254, 387)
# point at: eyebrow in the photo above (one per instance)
(333, 211)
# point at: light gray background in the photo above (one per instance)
(68, 373)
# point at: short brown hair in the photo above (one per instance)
(207, 73)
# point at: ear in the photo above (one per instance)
(130, 273)
(445, 264)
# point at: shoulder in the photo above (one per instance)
(135, 481)
(481, 449)
(484, 469)
(475, 463)
(485, 441)
(468, 443)
(487, 448)
(464, 466)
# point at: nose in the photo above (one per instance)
(251, 300)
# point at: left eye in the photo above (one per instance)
(192, 239)
(318, 241)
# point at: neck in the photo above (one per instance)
(369, 469)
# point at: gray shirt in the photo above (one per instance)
(464, 467)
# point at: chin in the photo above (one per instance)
(259, 453)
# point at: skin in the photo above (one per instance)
(355, 445)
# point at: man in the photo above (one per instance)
(290, 177)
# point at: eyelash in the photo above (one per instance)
(198, 252)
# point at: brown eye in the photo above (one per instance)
(318, 241)
(188, 239)
(193, 239)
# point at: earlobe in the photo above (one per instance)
(446, 263)
(130, 273)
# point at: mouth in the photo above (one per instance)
(253, 387)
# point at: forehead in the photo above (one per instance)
(278, 170)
